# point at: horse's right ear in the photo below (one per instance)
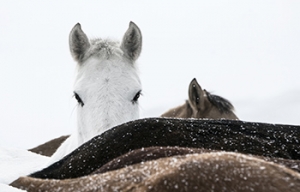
(196, 95)
(132, 42)
(79, 43)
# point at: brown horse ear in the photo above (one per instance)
(78, 42)
(196, 95)
(132, 42)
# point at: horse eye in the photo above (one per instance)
(136, 97)
(80, 102)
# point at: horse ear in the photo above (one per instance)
(132, 42)
(196, 95)
(79, 43)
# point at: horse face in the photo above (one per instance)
(107, 85)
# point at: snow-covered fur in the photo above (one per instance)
(107, 86)
(254, 138)
(215, 171)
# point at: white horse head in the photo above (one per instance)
(107, 86)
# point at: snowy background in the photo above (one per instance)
(245, 51)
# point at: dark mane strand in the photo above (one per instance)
(221, 103)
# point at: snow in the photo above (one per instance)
(7, 188)
(245, 51)
(17, 162)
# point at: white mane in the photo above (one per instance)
(107, 85)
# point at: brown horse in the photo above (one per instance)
(94, 161)
(202, 104)
(215, 171)
(152, 153)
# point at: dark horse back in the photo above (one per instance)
(261, 139)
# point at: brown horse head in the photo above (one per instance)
(202, 104)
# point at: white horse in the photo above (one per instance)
(107, 89)
(107, 85)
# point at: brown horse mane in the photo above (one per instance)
(223, 105)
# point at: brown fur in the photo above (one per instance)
(202, 104)
(152, 153)
(49, 147)
(147, 154)
(216, 171)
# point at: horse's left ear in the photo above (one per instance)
(196, 95)
(79, 43)
(132, 42)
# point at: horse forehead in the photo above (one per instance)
(109, 74)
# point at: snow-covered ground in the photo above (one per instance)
(245, 51)
(17, 162)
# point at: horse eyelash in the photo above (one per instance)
(136, 97)
(79, 100)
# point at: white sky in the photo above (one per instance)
(245, 51)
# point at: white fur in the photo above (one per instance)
(107, 82)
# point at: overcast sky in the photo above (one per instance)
(245, 51)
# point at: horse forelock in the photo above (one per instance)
(221, 103)
(104, 48)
